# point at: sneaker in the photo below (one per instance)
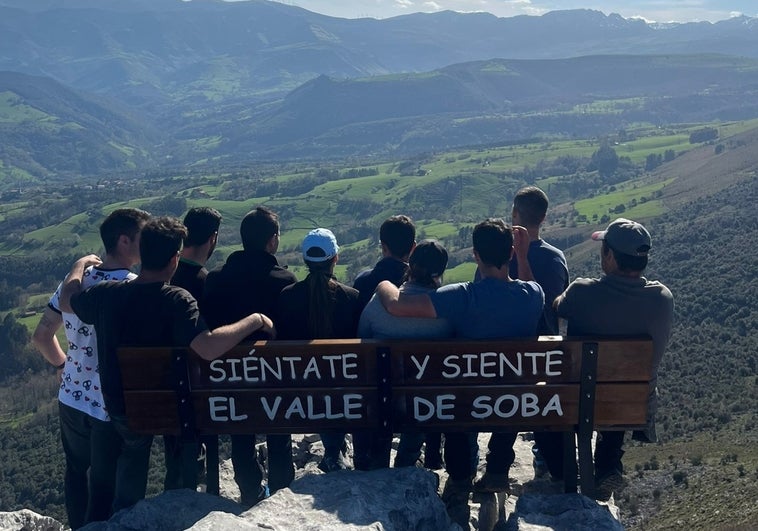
(455, 496)
(492, 482)
(608, 484)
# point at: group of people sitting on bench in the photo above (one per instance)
(521, 289)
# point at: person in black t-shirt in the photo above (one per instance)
(145, 312)
(202, 225)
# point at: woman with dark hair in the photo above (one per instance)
(426, 265)
(319, 307)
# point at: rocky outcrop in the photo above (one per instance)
(402, 499)
(26, 520)
(538, 512)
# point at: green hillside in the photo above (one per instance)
(700, 214)
(47, 130)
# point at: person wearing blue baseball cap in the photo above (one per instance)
(319, 307)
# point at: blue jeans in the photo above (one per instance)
(132, 466)
(91, 449)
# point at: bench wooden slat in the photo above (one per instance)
(619, 406)
(628, 360)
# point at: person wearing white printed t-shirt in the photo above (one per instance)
(89, 441)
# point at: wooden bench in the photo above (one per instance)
(573, 385)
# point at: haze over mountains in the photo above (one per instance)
(117, 86)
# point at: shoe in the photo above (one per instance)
(608, 484)
(332, 463)
(492, 482)
(455, 496)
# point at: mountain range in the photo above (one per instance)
(174, 82)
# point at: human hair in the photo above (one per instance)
(398, 233)
(257, 228)
(161, 240)
(531, 204)
(626, 262)
(201, 223)
(321, 289)
(426, 264)
(121, 222)
(493, 242)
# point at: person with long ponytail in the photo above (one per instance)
(426, 265)
(320, 307)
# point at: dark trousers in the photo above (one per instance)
(91, 449)
(461, 451)
(500, 454)
(184, 463)
(608, 453)
(248, 472)
(132, 466)
(371, 450)
(409, 448)
(550, 444)
(334, 443)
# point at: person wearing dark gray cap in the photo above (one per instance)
(622, 303)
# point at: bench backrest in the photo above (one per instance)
(544, 383)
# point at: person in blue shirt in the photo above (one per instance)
(495, 307)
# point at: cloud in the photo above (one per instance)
(524, 7)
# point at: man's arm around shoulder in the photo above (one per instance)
(404, 305)
(209, 345)
(73, 282)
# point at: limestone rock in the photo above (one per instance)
(538, 512)
(390, 500)
(26, 520)
(173, 510)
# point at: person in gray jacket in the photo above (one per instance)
(620, 303)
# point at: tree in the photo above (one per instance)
(652, 161)
(704, 135)
(605, 160)
(15, 353)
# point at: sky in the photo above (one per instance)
(650, 10)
